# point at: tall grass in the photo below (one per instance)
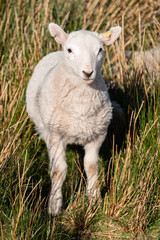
(129, 175)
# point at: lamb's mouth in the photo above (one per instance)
(88, 79)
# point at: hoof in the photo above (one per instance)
(54, 205)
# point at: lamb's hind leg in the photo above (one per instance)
(91, 167)
(58, 170)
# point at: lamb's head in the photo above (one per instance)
(84, 50)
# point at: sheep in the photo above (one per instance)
(68, 102)
(150, 59)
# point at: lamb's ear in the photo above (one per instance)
(58, 33)
(110, 36)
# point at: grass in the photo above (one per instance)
(129, 173)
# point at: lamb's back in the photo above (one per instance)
(35, 84)
(45, 65)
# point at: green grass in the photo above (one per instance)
(128, 173)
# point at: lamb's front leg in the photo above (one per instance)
(58, 170)
(91, 167)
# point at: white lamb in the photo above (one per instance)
(68, 101)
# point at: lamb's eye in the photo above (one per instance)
(100, 50)
(69, 50)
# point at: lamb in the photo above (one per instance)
(68, 101)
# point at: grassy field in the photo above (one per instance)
(128, 172)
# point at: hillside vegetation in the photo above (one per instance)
(128, 164)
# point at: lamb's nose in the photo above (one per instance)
(87, 74)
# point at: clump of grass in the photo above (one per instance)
(80, 216)
(129, 176)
